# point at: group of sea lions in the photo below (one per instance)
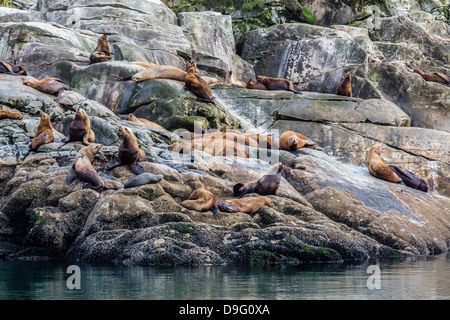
(219, 143)
(203, 200)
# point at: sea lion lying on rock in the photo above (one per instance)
(102, 52)
(12, 69)
(434, 76)
(144, 122)
(6, 114)
(255, 85)
(266, 185)
(378, 168)
(83, 169)
(158, 71)
(291, 141)
(201, 200)
(246, 205)
(278, 84)
(143, 178)
(53, 86)
(231, 80)
(44, 132)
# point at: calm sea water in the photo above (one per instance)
(412, 278)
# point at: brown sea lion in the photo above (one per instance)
(129, 151)
(82, 168)
(434, 76)
(44, 132)
(262, 139)
(410, 179)
(102, 52)
(378, 168)
(345, 88)
(144, 122)
(255, 85)
(266, 185)
(52, 86)
(201, 200)
(160, 72)
(195, 84)
(142, 63)
(12, 69)
(210, 80)
(291, 141)
(278, 84)
(230, 79)
(6, 114)
(80, 129)
(247, 205)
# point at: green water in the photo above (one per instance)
(412, 278)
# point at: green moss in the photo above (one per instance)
(182, 228)
(250, 5)
(309, 15)
(262, 257)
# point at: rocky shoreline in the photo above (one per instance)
(331, 208)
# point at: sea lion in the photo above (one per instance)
(247, 205)
(80, 129)
(12, 69)
(345, 88)
(230, 79)
(160, 72)
(201, 200)
(434, 76)
(6, 114)
(210, 80)
(102, 52)
(52, 86)
(44, 132)
(143, 178)
(255, 85)
(82, 168)
(142, 63)
(378, 168)
(278, 84)
(262, 139)
(410, 179)
(266, 185)
(195, 84)
(144, 122)
(129, 151)
(291, 141)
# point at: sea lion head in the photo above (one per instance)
(260, 78)
(80, 114)
(124, 131)
(293, 142)
(348, 77)
(31, 82)
(131, 118)
(375, 149)
(16, 116)
(191, 64)
(280, 167)
(44, 116)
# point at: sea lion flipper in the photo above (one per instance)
(137, 168)
(224, 206)
(86, 140)
(65, 139)
(71, 177)
(113, 167)
(39, 141)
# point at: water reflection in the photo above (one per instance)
(412, 278)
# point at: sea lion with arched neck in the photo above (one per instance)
(44, 132)
(196, 84)
(255, 85)
(434, 77)
(265, 186)
(129, 151)
(246, 205)
(345, 88)
(83, 169)
(80, 129)
(278, 84)
(410, 179)
(12, 69)
(6, 114)
(378, 168)
(102, 52)
(231, 80)
(53, 86)
(201, 200)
